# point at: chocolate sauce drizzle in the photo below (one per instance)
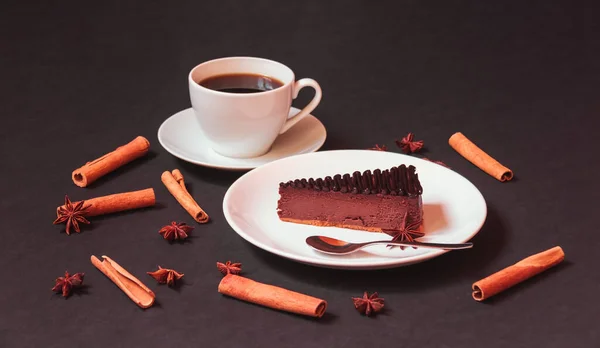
(396, 181)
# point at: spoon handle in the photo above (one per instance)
(426, 245)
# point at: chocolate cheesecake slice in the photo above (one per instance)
(386, 201)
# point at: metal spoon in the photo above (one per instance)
(334, 246)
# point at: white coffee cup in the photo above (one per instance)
(246, 125)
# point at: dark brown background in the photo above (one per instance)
(520, 78)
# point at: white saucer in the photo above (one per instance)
(454, 210)
(182, 136)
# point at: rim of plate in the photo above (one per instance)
(223, 166)
(404, 261)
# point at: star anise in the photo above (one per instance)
(175, 231)
(378, 148)
(229, 267)
(368, 305)
(437, 162)
(67, 283)
(407, 232)
(73, 214)
(409, 145)
(166, 276)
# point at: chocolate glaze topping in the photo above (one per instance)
(401, 180)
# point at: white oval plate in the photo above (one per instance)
(454, 210)
(182, 136)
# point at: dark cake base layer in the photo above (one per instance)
(332, 224)
(374, 212)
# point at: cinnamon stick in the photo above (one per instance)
(271, 296)
(521, 271)
(119, 202)
(176, 185)
(131, 286)
(478, 157)
(91, 171)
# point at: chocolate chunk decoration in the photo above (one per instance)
(376, 181)
(410, 185)
(316, 185)
(404, 179)
(418, 183)
(353, 186)
(385, 177)
(394, 174)
(366, 182)
(337, 182)
(346, 183)
(319, 185)
(414, 181)
(357, 181)
(328, 183)
(401, 180)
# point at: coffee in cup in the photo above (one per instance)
(242, 103)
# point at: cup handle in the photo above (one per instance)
(298, 85)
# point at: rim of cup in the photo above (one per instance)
(195, 83)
